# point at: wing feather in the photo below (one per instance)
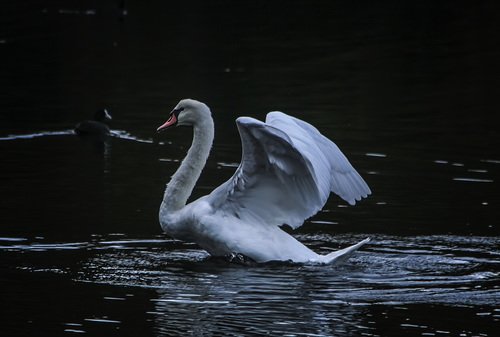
(288, 170)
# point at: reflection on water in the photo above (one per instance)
(38, 134)
(392, 270)
(193, 293)
(122, 134)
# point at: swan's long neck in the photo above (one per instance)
(183, 181)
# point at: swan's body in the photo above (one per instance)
(287, 172)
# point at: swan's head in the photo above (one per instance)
(188, 112)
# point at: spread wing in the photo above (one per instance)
(286, 174)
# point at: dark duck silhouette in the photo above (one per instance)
(96, 127)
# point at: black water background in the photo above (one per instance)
(408, 91)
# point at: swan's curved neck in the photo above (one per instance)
(183, 181)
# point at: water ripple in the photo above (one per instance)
(392, 272)
(122, 134)
(441, 269)
(39, 134)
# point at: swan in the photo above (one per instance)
(287, 171)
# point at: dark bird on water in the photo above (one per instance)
(98, 126)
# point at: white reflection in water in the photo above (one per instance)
(477, 170)
(490, 161)
(473, 180)
(102, 320)
(470, 170)
(12, 239)
(169, 160)
(375, 154)
(122, 134)
(230, 165)
(75, 331)
(38, 134)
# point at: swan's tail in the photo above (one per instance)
(340, 256)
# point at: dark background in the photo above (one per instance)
(408, 90)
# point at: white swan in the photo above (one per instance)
(286, 174)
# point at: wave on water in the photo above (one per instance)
(121, 134)
(408, 281)
(39, 134)
(398, 270)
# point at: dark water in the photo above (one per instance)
(408, 91)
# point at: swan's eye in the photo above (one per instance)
(177, 111)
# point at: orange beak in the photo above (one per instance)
(171, 121)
